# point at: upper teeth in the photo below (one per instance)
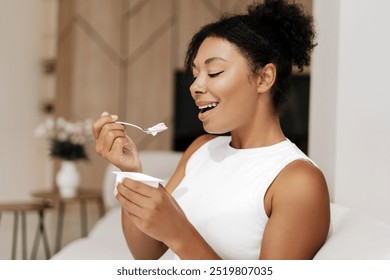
(208, 106)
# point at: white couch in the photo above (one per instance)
(354, 236)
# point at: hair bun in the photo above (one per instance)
(287, 28)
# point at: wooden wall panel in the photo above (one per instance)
(191, 15)
(149, 79)
(151, 94)
(147, 23)
(65, 15)
(88, 67)
(104, 17)
(95, 84)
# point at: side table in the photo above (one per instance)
(82, 197)
(20, 208)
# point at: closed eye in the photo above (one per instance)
(213, 75)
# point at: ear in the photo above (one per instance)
(266, 78)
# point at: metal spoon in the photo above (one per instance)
(151, 130)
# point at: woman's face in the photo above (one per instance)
(224, 88)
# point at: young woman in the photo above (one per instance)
(250, 195)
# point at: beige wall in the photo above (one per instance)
(349, 120)
(23, 160)
(20, 90)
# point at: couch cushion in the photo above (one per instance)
(355, 236)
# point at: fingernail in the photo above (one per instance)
(114, 117)
(104, 114)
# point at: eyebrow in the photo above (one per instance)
(209, 60)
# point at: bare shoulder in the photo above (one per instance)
(302, 183)
(303, 169)
(180, 169)
(303, 177)
(298, 207)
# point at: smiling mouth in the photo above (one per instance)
(208, 107)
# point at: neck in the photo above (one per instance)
(262, 133)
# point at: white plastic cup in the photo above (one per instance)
(136, 176)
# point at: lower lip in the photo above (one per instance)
(202, 116)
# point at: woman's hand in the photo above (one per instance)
(113, 144)
(153, 211)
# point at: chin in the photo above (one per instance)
(210, 130)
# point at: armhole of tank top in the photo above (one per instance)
(260, 195)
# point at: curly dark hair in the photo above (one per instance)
(271, 32)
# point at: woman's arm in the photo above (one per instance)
(151, 218)
(152, 221)
(297, 204)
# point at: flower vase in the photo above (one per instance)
(68, 179)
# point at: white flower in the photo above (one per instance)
(77, 139)
(66, 137)
(62, 136)
(60, 129)
(49, 124)
(40, 132)
(60, 123)
(69, 129)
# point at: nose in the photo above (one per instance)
(197, 88)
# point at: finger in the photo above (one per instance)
(130, 207)
(136, 198)
(139, 187)
(106, 135)
(110, 138)
(118, 148)
(111, 125)
(99, 123)
(120, 143)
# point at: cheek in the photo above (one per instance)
(241, 107)
(239, 92)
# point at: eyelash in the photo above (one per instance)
(212, 75)
(215, 74)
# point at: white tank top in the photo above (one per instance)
(222, 193)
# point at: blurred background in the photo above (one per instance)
(78, 58)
